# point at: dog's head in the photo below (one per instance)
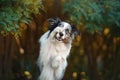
(62, 31)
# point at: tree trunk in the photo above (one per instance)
(89, 50)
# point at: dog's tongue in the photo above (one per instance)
(65, 40)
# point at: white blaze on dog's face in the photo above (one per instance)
(62, 31)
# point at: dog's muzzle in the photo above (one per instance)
(59, 36)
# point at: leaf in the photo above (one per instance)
(89, 27)
(3, 24)
(25, 20)
(16, 26)
(117, 23)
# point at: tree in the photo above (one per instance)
(94, 14)
(15, 15)
(15, 12)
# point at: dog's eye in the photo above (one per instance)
(67, 30)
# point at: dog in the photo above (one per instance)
(55, 47)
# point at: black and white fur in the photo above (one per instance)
(55, 47)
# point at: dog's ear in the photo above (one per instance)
(54, 21)
(75, 31)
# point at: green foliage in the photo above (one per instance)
(14, 12)
(94, 14)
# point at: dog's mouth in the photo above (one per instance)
(65, 40)
(59, 39)
(62, 38)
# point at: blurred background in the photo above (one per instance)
(95, 54)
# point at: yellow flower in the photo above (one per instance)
(106, 31)
(74, 74)
(27, 73)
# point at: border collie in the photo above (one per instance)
(55, 47)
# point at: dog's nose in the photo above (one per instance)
(61, 34)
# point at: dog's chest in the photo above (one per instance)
(61, 49)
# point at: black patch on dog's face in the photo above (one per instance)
(53, 23)
(75, 31)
